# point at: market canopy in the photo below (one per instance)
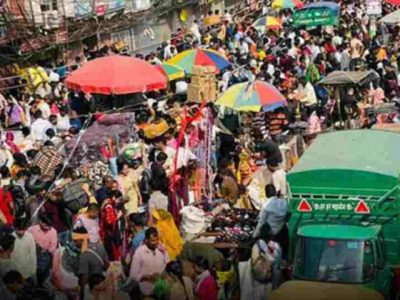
(317, 14)
(392, 18)
(351, 160)
(252, 96)
(267, 22)
(284, 4)
(199, 57)
(393, 2)
(171, 71)
(116, 75)
(343, 78)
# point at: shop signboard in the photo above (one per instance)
(374, 7)
(83, 8)
(318, 16)
(115, 5)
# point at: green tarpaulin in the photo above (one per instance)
(351, 160)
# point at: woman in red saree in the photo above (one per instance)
(109, 231)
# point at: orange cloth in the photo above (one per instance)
(212, 20)
(253, 50)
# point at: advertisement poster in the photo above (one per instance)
(83, 8)
(374, 7)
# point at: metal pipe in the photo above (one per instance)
(386, 196)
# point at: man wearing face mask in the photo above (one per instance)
(24, 253)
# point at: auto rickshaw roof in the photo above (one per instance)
(345, 232)
(350, 160)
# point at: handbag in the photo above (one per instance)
(74, 197)
(261, 267)
(47, 160)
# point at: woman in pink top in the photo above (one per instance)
(44, 235)
(45, 238)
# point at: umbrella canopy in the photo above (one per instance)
(268, 22)
(352, 78)
(393, 2)
(199, 57)
(287, 4)
(252, 96)
(171, 71)
(392, 18)
(116, 75)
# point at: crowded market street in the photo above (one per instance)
(253, 153)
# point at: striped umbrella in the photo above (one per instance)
(252, 96)
(287, 4)
(171, 71)
(267, 22)
(199, 57)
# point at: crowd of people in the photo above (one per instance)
(112, 229)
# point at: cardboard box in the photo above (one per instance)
(212, 92)
(209, 70)
(194, 93)
(203, 70)
(203, 80)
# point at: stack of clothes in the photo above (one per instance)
(94, 143)
(237, 225)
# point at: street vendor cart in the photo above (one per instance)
(341, 81)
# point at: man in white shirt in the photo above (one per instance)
(40, 126)
(315, 50)
(278, 177)
(196, 31)
(226, 77)
(63, 122)
(307, 92)
(24, 252)
(169, 51)
(43, 106)
(243, 48)
(228, 16)
(161, 146)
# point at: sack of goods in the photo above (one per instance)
(193, 220)
(74, 196)
(203, 85)
(154, 130)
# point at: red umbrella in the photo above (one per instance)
(116, 75)
(393, 2)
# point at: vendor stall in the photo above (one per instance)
(94, 144)
(342, 81)
(355, 78)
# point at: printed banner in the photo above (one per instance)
(374, 7)
(83, 8)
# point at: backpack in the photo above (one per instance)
(19, 197)
(74, 197)
(261, 267)
(145, 185)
